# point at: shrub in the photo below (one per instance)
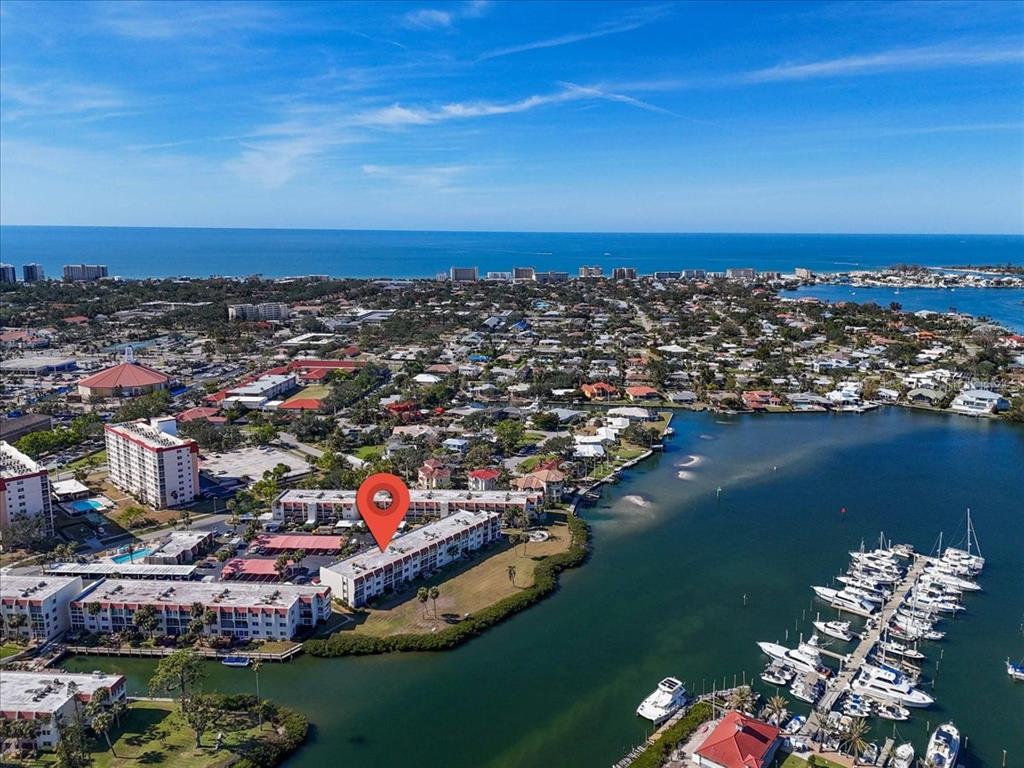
(545, 581)
(656, 753)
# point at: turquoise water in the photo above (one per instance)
(1004, 305)
(138, 554)
(157, 252)
(86, 505)
(663, 594)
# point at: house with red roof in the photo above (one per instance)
(434, 474)
(202, 413)
(127, 379)
(642, 393)
(484, 479)
(739, 741)
(599, 390)
(759, 399)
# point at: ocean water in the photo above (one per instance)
(161, 252)
(663, 594)
(1003, 305)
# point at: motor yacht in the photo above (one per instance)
(856, 706)
(806, 657)
(840, 630)
(778, 673)
(888, 684)
(903, 756)
(1014, 670)
(845, 600)
(899, 649)
(943, 747)
(890, 711)
(664, 701)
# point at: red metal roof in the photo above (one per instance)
(309, 542)
(485, 474)
(739, 742)
(302, 404)
(125, 375)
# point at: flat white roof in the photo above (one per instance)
(34, 587)
(14, 463)
(48, 691)
(262, 385)
(148, 434)
(450, 495)
(229, 594)
(109, 569)
(410, 543)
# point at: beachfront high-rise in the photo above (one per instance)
(156, 467)
(32, 273)
(7, 274)
(24, 489)
(270, 311)
(84, 273)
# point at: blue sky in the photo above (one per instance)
(789, 117)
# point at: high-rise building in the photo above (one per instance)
(7, 274)
(740, 273)
(524, 274)
(81, 273)
(694, 274)
(803, 273)
(32, 273)
(551, 277)
(156, 467)
(464, 274)
(594, 271)
(624, 273)
(24, 489)
(271, 311)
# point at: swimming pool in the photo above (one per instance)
(86, 505)
(138, 554)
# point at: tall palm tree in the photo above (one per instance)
(257, 665)
(742, 699)
(855, 736)
(434, 594)
(422, 594)
(776, 706)
(511, 570)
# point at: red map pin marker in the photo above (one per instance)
(382, 521)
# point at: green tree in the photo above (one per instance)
(200, 715)
(145, 618)
(509, 434)
(423, 594)
(434, 594)
(181, 675)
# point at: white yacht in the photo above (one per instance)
(889, 711)
(840, 630)
(933, 601)
(1014, 670)
(943, 747)
(845, 600)
(899, 649)
(778, 673)
(664, 702)
(903, 756)
(888, 684)
(804, 658)
(948, 578)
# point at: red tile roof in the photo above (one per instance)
(125, 375)
(193, 414)
(739, 742)
(302, 404)
(485, 474)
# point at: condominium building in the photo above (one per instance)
(594, 271)
(358, 579)
(51, 698)
(257, 393)
(24, 489)
(740, 273)
(317, 507)
(36, 607)
(154, 466)
(524, 274)
(32, 273)
(244, 610)
(624, 273)
(7, 274)
(269, 311)
(464, 274)
(80, 273)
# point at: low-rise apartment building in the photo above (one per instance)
(358, 579)
(258, 611)
(36, 607)
(24, 489)
(318, 507)
(50, 698)
(156, 467)
(268, 311)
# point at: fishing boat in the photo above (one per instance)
(778, 673)
(664, 701)
(1015, 670)
(903, 756)
(856, 706)
(840, 630)
(236, 661)
(943, 747)
(887, 710)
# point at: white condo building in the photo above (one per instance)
(24, 489)
(41, 602)
(366, 575)
(270, 311)
(51, 697)
(245, 610)
(319, 507)
(154, 466)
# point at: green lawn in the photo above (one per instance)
(9, 649)
(100, 457)
(369, 452)
(792, 761)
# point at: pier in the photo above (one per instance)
(849, 664)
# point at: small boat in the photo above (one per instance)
(840, 630)
(1014, 670)
(236, 661)
(777, 674)
(857, 706)
(903, 756)
(664, 701)
(794, 725)
(898, 649)
(870, 755)
(889, 711)
(943, 747)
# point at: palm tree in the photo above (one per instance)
(422, 594)
(776, 706)
(855, 736)
(511, 570)
(434, 594)
(257, 665)
(742, 699)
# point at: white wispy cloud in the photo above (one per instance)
(434, 177)
(435, 18)
(930, 57)
(57, 98)
(635, 20)
(165, 21)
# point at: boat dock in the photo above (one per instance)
(852, 662)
